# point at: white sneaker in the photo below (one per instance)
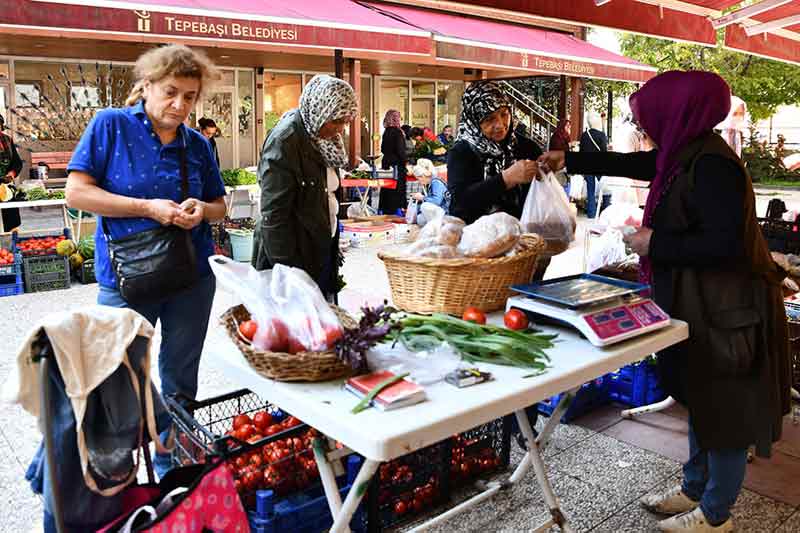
(671, 502)
(694, 522)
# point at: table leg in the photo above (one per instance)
(652, 408)
(328, 478)
(533, 457)
(342, 519)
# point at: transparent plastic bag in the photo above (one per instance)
(547, 212)
(411, 211)
(608, 249)
(291, 313)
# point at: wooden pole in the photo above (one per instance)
(562, 97)
(355, 125)
(576, 107)
(338, 62)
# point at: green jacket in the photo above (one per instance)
(294, 228)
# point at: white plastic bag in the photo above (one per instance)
(577, 188)
(411, 212)
(607, 249)
(288, 307)
(547, 211)
(618, 215)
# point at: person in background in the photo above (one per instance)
(10, 167)
(734, 126)
(446, 137)
(298, 173)
(393, 148)
(209, 130)
(489, 168)
(702, 251)
(139, 189)
(436, 199)
(593, 140)
(560, 141)
(410, 143)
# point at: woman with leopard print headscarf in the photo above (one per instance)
(489, 168)
(299, 173)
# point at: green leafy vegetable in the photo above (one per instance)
(232, 177)
(476, 343)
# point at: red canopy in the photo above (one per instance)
(474, 42)
(290, 24)
(681, 20)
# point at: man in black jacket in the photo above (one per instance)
(593, 140)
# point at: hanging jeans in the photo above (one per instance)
(83, 509)
(184, 322)
(714, 478)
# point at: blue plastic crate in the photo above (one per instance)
(11, 282)
(590, 396)
(306, 511)
(636, 385)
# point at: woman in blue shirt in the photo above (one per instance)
(126, 168)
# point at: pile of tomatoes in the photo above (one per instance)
(6, 257)
(395, 478)
(464, 465)
(39, 245)
(284, 466)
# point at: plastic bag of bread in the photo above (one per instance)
(490, 236)
(547, 211)
(446, 230)
(431, 247)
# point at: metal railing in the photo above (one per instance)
(541, 123)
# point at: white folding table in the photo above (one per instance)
(382, 436)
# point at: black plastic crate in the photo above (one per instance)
(408, 486)
(85, 273)
(781, 236)
(281, 459)
(480, 452)
(45, 272)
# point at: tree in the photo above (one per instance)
(763, 84)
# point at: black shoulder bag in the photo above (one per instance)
(155, 264)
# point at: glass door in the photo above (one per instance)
(5, 94)
(218, 106)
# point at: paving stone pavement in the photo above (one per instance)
(597, 477)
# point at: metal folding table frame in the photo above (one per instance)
(382, 436)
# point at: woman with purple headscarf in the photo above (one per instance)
(393, 147)
(702, 251)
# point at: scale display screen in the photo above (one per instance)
(580, 291)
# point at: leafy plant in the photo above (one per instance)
(232, 177)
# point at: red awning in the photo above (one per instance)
(473, 42)
(294, 25)
(684, 20)
(625, 15)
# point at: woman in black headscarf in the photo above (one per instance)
(489, 168)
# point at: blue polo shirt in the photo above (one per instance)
(120, 150)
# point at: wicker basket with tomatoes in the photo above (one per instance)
(265, 448)
(289, 359)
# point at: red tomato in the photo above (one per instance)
(241, 420)
(256, 460)
(291, 422)
(516, 320)
(473, 314)
(240, 462)
(400, 507)
(332, 334)
(245, 432)
(278, 335)
(248, 329)
(251, 480)
(262, 420)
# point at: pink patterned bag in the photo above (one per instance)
(191, 499)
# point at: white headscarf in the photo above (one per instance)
(324, 99)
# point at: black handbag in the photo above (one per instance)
(155, 264)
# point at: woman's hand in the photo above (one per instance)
(639, 241)
(418, 196)
(553, 160)
(521, 172)
(191, 213)
(163, 211)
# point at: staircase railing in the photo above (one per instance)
(541, 123)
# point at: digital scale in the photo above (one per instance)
(604, 310)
